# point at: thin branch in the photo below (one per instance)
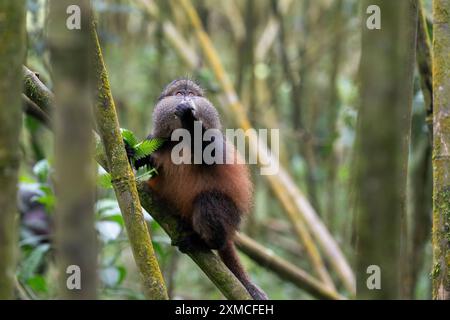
(286, 270)
(33, 110)
(32, 85)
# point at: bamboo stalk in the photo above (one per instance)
(441, 152)
(124, 181)
(74, 179)
(12, 53)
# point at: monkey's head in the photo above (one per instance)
(180, 91)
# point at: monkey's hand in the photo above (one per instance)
(130, 152)
(137, 163)
(186, 113)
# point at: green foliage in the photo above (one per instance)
(147, 147)
(42, 170)
(140, 149)
(113, 276)
(30, 268)
(129, 137)
(104, 180)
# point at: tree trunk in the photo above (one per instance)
(12, 50)
(75, 171)
(384, 120)
(441, 153)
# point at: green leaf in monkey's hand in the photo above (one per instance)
(129, 137)
(147, 147)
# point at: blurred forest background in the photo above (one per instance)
(295, 66)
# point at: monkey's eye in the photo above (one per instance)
(179, 93)
(191, 94)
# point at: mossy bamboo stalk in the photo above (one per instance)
(37, 91)
(441, 150)
(12, 54)
(33, 110)
(123, 180)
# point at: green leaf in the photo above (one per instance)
(147, 175)
(107, 207)
(48, 200)
(122, 272)
(111, 276)
(104, 180)
(147, 147)
(37, 283)
(129, 137)
(117, 218)
(33, 261)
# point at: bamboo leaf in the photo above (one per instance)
(104, 180)
(129, 137)
(147, 147)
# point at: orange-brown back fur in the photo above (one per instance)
(230, 179)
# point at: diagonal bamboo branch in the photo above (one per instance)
(286, 270)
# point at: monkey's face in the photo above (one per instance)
(165, 120)
(182, 88)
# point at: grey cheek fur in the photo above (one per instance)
(207, 113)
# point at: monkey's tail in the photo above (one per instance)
(229, 256)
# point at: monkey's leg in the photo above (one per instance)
(215, 218)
